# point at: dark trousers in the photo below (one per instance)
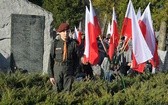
(64, 77)
(124, 68)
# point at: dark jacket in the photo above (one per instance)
(56, 55)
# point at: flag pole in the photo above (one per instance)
(103, 44)
(124, 46)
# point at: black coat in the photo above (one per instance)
(56, 55)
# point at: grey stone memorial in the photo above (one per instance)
(27, 41)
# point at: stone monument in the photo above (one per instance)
(24, 36)
(27, 41)
(162, 36)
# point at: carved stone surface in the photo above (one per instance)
(162, 36)
(24, 7)
(27, 41)
(163, 55)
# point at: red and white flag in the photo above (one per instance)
(139, 13)
(108, 30)
(94, 21)
(126, 30)
(86, 50)
(114, 38)
(146, 26)
(78, 36)
(131, 29)
(76, 33)
(91, 34)
(80, 33)
(93, 31)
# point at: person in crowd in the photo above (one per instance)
(98, 71)
(123, 57)
(107, 39)
(102, 49)
(84, 70)
(63, 60)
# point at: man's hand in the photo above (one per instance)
(52, 80)
(83, 61)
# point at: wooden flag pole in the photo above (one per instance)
(124, 46)
(103, 44)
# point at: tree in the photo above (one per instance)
(159, 9)
(71, 11)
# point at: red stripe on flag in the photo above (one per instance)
(138, 67)
(97, 26)
(79, 37)
(113, 40)
(93, 48)
(126, 28)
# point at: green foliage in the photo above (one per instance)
(29, 89)
(71, 11)
(159, 10)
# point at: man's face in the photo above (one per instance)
(64, 34)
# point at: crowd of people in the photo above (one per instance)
(66, 60)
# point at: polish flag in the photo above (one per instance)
(78, 36)
(80, 33)
(94, 21)
(76, 33)
(139, 13)
(93, 31)
(131, 29)
(114, 38)
(86, 50)
(108, 30)
(146, 26)
(126, 31)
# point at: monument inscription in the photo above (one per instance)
(27, 41)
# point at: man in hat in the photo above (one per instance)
(63, 60)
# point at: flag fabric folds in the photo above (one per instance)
(94, 21)
(139, 13)
(131, 30)
(78, 35)
(92, 31)
(108, 30)
(86, 50)
(146, 26)
(114, 38)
